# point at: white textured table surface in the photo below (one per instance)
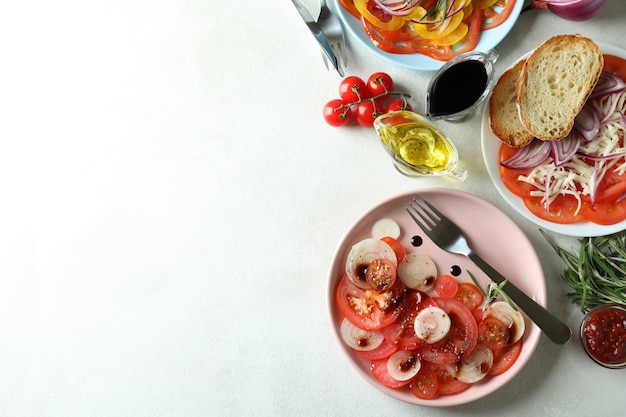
(171, 201)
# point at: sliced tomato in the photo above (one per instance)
(402, 332)
(381, 274)
(448, 384)
(461, 338)
(426, 384)
(380, 372)
(493, 333)
(367, 308)
(446, 286)
(510, 176)
(469, 295)
(606, 212)
(611, 188)
(349, 6)
(496, 14)
(397, 248)
(505, 358)
(562, 210)
(383, 351)
(406, 33)
(615, 65)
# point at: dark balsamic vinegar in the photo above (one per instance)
(458, 87)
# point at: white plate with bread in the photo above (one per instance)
(516, 133)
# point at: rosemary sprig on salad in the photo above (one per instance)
(492, 291)
(596, 271)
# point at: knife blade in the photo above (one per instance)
(316, 30)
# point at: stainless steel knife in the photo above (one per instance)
(316, 30)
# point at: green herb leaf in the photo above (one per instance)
(596, 271)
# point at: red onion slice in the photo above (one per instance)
(563, 150)
(587, 122)
(575, 10)
(529, 156)
(608, 83)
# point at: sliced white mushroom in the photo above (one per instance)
(386, 228)
(512, 318)
(403, 365)
(359, 339)
(474, 366)
(362, 254)
(418, 271)
(432, 324)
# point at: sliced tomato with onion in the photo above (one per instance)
(402, 332)
(383, 351)
(381, 373)
(397, 248)
(510, 176)
(461, 338)
(505, 358)
(446, 286)
(493, 333)
(447, 384)
(426, 384)
(367, 308)
(381, 274)
(469, 295)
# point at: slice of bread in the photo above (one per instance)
(504, 118)
(555, 83)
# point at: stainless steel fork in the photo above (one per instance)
(331, 27)
(448, 236)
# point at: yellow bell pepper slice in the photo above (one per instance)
(394, 22)
(452, 38)
(439, 30)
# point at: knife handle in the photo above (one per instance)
(555, 329)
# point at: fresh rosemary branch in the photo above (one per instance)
(596, 272)
(492, 292)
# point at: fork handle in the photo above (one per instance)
(555, 329)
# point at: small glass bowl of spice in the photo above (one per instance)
(460, 86)
(603, 334)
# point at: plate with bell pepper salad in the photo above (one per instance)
(424, 34)
(581, 192)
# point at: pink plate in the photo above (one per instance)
(492, 234)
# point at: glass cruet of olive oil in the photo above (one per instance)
(417, 147)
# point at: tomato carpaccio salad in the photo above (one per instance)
(422, 331)
(588, 181)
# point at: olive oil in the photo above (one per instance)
(419, 146)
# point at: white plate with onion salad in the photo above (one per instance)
(488, 38)
(395, 359)
(604, 105)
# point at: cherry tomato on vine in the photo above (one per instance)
(335, 114)
(352, 89)
(398, 105)
(367, 111)
(379, 83)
